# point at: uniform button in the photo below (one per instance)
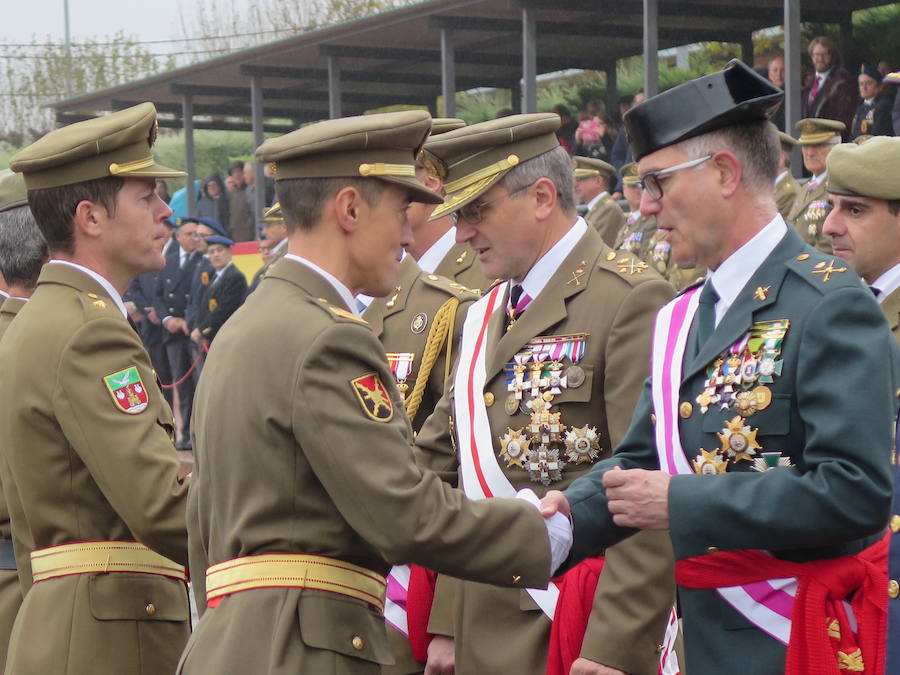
(171, 295)
(610, 256)
(150, 609)
(685, 409)
(893, 589)
(357, 642)
(895, 524)
(488, 399)
(712, 549)
(433, 277)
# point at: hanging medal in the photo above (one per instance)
(401, 364)
(739, 440)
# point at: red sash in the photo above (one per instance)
(573, 609)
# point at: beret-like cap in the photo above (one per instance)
(588, 167)
(117, 144)
(219, 239)
(12, 190)
(869, 70)
(735, 95)
(816, 130)
(479, 155)
(382, 145)
(629, 174)
(866, 170)
(432, 164)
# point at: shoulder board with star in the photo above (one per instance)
(339, 313)
(822, 271)
(98, 304)
(626, 266)
(449, 287)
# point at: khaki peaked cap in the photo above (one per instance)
(588, 167)
(382, 145)
(439, 125)
(479, 155)
(12, 190)
(117, 144)
(867, 170)
(629, 174)
(817, 130)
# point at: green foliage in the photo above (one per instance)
(875, 34)
(214, 151)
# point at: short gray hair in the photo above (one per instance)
(756, 145)
(554, 164)
(22, 248)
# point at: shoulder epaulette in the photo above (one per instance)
(450, 287)
(94, 303)
(626, 266)
(340, 312)
(822, 271)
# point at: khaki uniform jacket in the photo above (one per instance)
(659, 257)
(635, 235)
(607, 218)
(10, 589)
(76, 467)
(891, 309)
(786, 190)
(462, 266)
(501, 630)
(290, 457)
(808, 214)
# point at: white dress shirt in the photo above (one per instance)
(887, 283)
(544, 269)
(438, 251)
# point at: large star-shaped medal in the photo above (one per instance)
(582, 444)
(710, 463)
(739, 440)
(544, 465)
(514, 448)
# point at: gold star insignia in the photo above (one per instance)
(739, 440)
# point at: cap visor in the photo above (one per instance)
(457, 200)
(154, 171)
(418, 192)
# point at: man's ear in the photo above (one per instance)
(545, 198)
(730, 171)
(89, 218)
(348, 205)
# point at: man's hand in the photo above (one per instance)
(133, 311)
(638, 498)
(441, 656)
(555, 501)
(175, 324)
(584, 667)
(152, 315)
(197, 337)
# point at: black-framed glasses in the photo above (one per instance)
(651, 183)
(473, 212)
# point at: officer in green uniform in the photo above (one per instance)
(563, 352)
(810, 207)
(763, 437)
(635, 235)
(593, 179)
(22, 253)
(89, 466)
(786, 187)
(305, 489)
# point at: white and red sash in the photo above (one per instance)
(766, 604)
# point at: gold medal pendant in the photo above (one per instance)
(582, 444)
(710, 463)
(514, 448)
(544, 465)
(739, 440)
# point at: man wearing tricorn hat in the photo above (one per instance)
(89, 468)
(593, 179)
(774, 503)
(305, 488)
(549, 368)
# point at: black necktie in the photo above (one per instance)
(875, 291)
(515, 294)
(706, 313)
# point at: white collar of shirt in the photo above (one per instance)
(544, 269)
(218, 273)
(108, 287)
(596, 200)
(280, 245)
(888, 282)
(815, 181)
(823, 76)
(733, 274)
(17, 297)
(781, 175)
(342, 290)
(868, 101)
(4, 294)
(438, 250)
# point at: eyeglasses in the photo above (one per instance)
(473, 212)
(650, 182)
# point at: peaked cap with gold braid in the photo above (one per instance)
(478, 156)
(432, 164)
(816, 131)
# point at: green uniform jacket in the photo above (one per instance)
(607, 218)
(503, 631)
(808, 214)
(10, 589)
(831, 413)
(659, 256)
(635, 236)
(786, 191)
(290, 457)
(82, 469)
(462, 266)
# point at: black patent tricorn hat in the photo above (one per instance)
(732, 96)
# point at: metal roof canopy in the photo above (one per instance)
(417, 53)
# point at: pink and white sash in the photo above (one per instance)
(395, 598)
(481, 474)
(766, 604)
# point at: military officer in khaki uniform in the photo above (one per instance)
(304, 465)
(817, 138)
(22, 252)
(88, 465)
(556, 358)
(635, 235)
(786, 187)
(593, 179)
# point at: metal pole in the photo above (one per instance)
(256, 107)
(848, 53)
(68, 50)
(334, 87)
(792, 84)
(747, 50)
(651, 47)
(515, 97)
(187, 124)
(529, 61)
(448, 72)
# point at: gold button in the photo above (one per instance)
(893, 589)
(685, 409)
(803, 256)
(517, 578)
(611, 255)
(150, 609)
(433, 277)
(895, 524)
(357, 642)
(712, 549)
(488, 399)
(652, 418)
